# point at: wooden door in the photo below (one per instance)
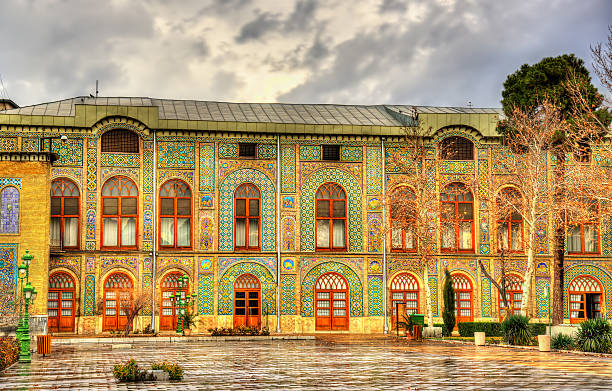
(169, 311)
(247, 301)
(60, 303)
(118, 291)
(404, 294)
(332, 298)
(464, 311)
(584, 299)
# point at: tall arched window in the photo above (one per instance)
(509, 220)
(403, 219)
(65, 214)
(9, 210)
(514, 295)
(60, 302)
(404, 293)
(119, 213)
(247, 217)
(169, 310)
(457, 218)
(118, 291)
(119, 140)
(585, 299)
(583, 228)
(456, 148)
(331, 217)
(463, 297)
(175, 215)
(332, 302)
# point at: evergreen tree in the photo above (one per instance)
(448, 293)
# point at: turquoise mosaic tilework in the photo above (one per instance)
(8, 274)
(175, 155)
(433, 289)
(90, 295)
(266, 151)
(351, 186)
(30, 144)
(147, 157)
(288, 169)
(310, 152)
(600, 274)
(119, 160)
(486, 303)
(226, 287)
(70, 263)
(207, 167)
(226, 208)
(147, 283)
(375, 296)
(355, 287)
(228, 150)
(374, 233)
(373, 171)
(69, 152)
(92, 168)
(351, 154)
(457, 167)
(542, 285)
(288, 294)
(8, 144)
(205, 294)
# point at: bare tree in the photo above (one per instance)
(602, 61)
(131, 306)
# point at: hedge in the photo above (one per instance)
(493, 329)
(9, 352)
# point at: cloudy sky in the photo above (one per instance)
(426, 52)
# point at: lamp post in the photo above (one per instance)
(182, 300)
(28, 293)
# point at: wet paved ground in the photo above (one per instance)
(334, 363)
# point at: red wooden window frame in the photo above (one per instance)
(61, 284)
(592, 220)
(176, 191)
(64, 189)
(169, 286)
(396, 209)
(578, 288)
(462, 284)
(510, 218)
(455, 195)
(121, 284)
(514, 286)
(456, 148)
(404, 290)
(247, 192)
(329, 289)
(336, 194)
(247, 297)
(116, 185)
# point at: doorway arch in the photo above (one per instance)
(331, 302)
(118, 295)
(169, 313)
(247, 301)
(585, 298)
(60, 302)
(464, 292)
(404, 291)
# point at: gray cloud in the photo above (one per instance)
(393, 6)
(264, 23)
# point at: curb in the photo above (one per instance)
(131, 340)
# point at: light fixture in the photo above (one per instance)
(28, 291)
(22, 271)
(34, 294)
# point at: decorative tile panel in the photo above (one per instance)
(147, 283)
(288, 170)
(108, 172)
(9, 209)
(206, 164)
(206, 233)
(92, 168)
(483, 179)
(175, 155)
(90, 264)
(8, 275)
(10, 182)
(288, 294)
(228, 150)
(433, 289)
(486, 302)
(119, 160)
(266, 280)
(457, 167)
(373, 171)
(375, 296)
(74, 174)
(310, 152)
(30, 144)
(307, 263)
(128, 262)
(541, 245)
(226, 167)
(542, 286)
(226, 208)
(8, 144)
(70, 263)
(90, 295)
(69, 152)
(288, 234)
(374, 233)
(307, 223)
(288, 202)
(184, 263)
(205, 294)
(147, 160)
(268, 262)
(205, 265)
(266, 151)
(354, 169)
(351, 153)
(288, 265)
(604, 278)
(185, 175)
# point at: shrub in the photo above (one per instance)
(562, 342)
(516, 330)
(444, 330)
(448, 315)
(537, 328)
(9, 352)
(242, 330)
(491, 329)
(594, 335)
(175, 371)
(130, 372)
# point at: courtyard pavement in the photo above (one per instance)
(337, 362)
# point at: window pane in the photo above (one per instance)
(183, 207)
(409, 238)
(167, 206)
(448, 211)
(240, 232)
(55, 231)
(573, 240)
(466, 211)
(396, 238)
(254, 208)
(128, 206)
(183, 232)
(240, 207)
(253, 232)
(322, 208)
(110, 206)
(465, 236)
(502, 233)
(166, 229)
(338, 233)
(517, 237)
(71, 231)
(109, 228)
(71, 206)
(591, 241)
(448, 237)
(323, 233)
(339, 209)
(128, 231)
(56, 206)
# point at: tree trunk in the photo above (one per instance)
(559, 246)
(530, 260)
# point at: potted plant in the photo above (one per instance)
(188, 322)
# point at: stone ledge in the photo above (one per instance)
(132, 340)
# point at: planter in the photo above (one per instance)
(159, 374)
(432, 332)
(544, 343)
(187, 332)
(479, 338)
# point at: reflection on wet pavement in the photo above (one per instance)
(330, 363)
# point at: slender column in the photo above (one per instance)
(154, 256)
(278, 234)
(384, 238)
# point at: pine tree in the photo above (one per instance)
(448, 315)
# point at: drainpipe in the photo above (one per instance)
(384, 242)
(154, 258)
(278, 234)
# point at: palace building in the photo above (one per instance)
(274, 212)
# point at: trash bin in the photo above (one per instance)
(417, 319)
(43, 344)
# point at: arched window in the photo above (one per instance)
(9, 210)
(403, 219)
(456, 148)
(169, 310)
(247, 301)
(118, 290)
(60, 302)
(463, 296)
(332, 299)
(404, 295)
(175, 215)
(65, 214)
(509, 220)
(120, 140)
(584, 299)
(514, 295)
(247, 217)
(583, 228)
(457, 218)
(119, 213)
(331, 217)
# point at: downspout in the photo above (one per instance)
(278, 234)
(154, 258)
(384, 241)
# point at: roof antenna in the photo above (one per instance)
(96, 88)
(469, 103)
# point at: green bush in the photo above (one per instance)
(594, 335)
(444, 330)
(448, 294)
(242, 330)
(175, 371)
(491, 329)
(537, 328)
(516, 330)
(562, 342)
(9, 352)
(130, 372)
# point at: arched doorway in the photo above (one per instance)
(169, 312)
(118, 291)
(60, 302)
(404, 293)
(585, 299)
(514, 295)
(332, 298)
(247, 301)
(464, 310)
